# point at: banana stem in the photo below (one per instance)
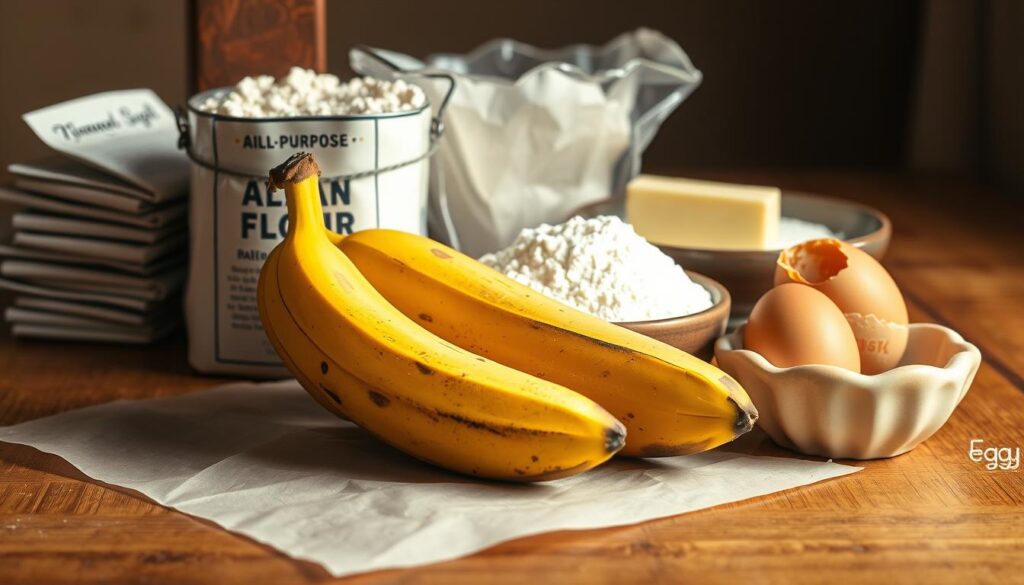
(299, 177)
(305, 214)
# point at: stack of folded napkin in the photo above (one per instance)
(98, 251)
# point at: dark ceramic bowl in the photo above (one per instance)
(748, 274)
(696, 333)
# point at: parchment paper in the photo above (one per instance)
(265, 461)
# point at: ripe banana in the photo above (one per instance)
(671, 402)
(364, 360)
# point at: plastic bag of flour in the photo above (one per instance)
(235, 222)
(533, 134)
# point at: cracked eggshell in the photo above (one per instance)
(862, 289)
(881, 343)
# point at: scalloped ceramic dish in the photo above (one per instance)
(833, 412)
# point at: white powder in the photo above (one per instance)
(602, 267)
(793, 231)
(305, 93)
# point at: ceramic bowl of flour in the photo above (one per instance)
(695, 333)
(748, 274)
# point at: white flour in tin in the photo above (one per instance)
(303, 92)
(602, 267)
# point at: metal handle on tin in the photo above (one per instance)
(437, 123)
(181, 119)
(436, 130)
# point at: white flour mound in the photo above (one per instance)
(602, 267)
(303, 92)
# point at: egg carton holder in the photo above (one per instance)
(834, 412)
(532, 134)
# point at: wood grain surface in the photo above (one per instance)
(930, 516)
(236, 38)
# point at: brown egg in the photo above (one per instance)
(862, 289)
(796, 325)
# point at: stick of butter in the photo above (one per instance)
(687, 213)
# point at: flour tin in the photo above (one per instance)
(375, 171)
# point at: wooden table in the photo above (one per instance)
(931, 516)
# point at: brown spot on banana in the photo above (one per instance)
(473, 424)
(440, 253)
(500, 430)
(378, 398)
(424, 369)
(607, 344)
(333, 395)
(426, 317)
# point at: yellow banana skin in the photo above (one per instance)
(363, 359)
(671, 402)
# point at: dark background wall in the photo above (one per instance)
(933, 84)
(787, 82)
(55, 50)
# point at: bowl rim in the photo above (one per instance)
(711, 285)
(882, 234)
(965, 350)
